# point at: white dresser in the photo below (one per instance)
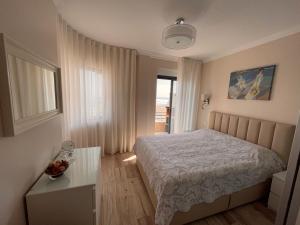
(278, 182)
(70, 199)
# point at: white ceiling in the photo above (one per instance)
(223, 26)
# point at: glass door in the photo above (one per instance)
(165, 104)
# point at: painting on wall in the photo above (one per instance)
(252, 84)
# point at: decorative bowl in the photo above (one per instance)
(57, 168)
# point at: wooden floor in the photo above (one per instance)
(124, 199)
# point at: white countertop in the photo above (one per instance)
(81, 172)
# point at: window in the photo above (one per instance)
(165, 104)
(91, 92)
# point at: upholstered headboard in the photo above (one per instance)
(275, 136)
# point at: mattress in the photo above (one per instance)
(201, 166)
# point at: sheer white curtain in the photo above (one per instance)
(188, 94)
(98, 92)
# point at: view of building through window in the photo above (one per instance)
(165, 104)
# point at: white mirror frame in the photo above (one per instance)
(8, 125)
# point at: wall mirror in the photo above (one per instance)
(30, 89)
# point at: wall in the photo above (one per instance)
(285, 97)
(147, 70)
(22, 158)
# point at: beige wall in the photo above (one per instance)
(285, 98)
(23, 158)
(147, 70)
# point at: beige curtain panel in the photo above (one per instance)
(99, 83)
(188, 94)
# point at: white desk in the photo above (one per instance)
(71, 198)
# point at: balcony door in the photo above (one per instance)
(165, 104)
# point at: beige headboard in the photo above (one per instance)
(275, 136)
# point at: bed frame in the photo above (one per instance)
(277, 137)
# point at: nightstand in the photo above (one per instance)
(277, 187)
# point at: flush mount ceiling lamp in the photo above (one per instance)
(179, 35)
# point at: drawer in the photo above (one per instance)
(273, 201)
(95, 222)
(277, 186)
(94, 196)
(65, 207)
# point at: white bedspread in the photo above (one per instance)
(201, 166)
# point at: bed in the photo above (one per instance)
(196, 174)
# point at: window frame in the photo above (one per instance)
(172, 79)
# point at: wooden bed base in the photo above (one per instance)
(223, 203)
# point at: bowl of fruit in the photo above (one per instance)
(57, 168)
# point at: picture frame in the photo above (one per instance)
(252, 84)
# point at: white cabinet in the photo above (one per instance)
(277, 187)
(71, 198)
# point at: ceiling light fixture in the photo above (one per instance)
(179, 35)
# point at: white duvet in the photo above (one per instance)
(201, 166)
